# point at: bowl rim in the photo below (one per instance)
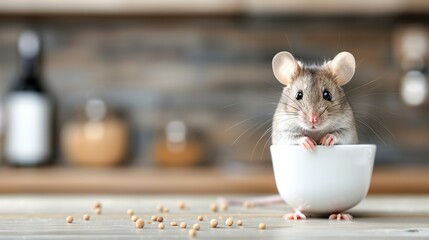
(320, 146)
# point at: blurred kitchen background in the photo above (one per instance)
(177, 96)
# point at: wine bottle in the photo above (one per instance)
(28, 108)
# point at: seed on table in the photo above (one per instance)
(262, 226)
(160, 219)
(69, 219)
(200, 218)
(239, 223)
(224, 206)
(247, 204)
(229, 222)
(213, 207)
(173, 224)
(181, 205)
(97, 211)
(196, 226)
(192, 233)
(183, 225)
(165, 210)
(134, 218)
(97, 204)
(159, 207)
(130, 212)
(140, 223)
(213, 223)
(86, 217)
(154, 218)
(149, 222)
(161, 226)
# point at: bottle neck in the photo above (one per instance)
(29, 78)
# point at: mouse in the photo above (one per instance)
(312, 110)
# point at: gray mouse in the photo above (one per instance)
(313, 109)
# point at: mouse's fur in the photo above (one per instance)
(290, 121)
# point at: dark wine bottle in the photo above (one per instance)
(28, 108)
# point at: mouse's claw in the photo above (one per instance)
(328, 140)
(307, 143)
(341, 216)
(297, 215)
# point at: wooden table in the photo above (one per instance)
(44, 216)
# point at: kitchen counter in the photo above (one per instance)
(239, 180)
(44, 216)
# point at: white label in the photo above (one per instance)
(27, 129)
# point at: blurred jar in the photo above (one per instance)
(96, 137)
(178, 146)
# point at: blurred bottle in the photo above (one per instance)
(28, 109)
(96, 137)
(179, 147)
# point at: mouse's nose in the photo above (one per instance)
(313, 118)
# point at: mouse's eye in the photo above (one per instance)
(299, 95)
(327, 95)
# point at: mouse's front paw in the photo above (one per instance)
(341, 216)
(307, 143)
(328, 140)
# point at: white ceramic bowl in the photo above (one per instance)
(328, 180)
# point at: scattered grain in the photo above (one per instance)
(130, 212)
(262, 226)
(69, 219)
(161, 226)
(97, 211)
(160, 219)
(214, 223)
(86, 217)
(200, 218)
(97, 204)
(248, 204)
(224, 206)
(154, 218)
(196, 226)
(134, 218)
(192, 233)
(159, 207)
(229, 222)
(213, 207)
(239, 223)
(181, 205)
(183, 225)
(140, 223)
(173, 224)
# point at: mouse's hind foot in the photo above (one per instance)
(340, 216)
(297, 215)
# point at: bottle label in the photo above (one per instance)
(28, 125)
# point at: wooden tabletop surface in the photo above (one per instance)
(44, 217)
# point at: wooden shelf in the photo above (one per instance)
(201, 180)
(190, 7)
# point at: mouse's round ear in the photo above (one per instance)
(284, 67)
(343, 67)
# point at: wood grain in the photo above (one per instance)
(42, 217)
